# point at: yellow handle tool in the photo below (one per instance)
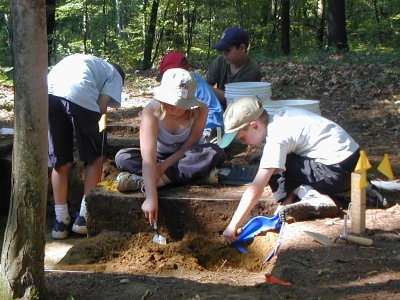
(358, 240)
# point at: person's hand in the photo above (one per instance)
(150, 209)
(230, 234)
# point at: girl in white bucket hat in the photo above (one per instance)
(170, 130)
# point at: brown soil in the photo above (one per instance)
(122, 266)
(114, 265)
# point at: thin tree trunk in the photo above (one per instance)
(148, 46)
(274, 33)
(239, 5)
(51, 27)
(209, 31)
(321, 24)
(285, 27)
(161, 34)
(85, 26)
(377, 20)
(191, 24)
(337, 35)
(22, 256)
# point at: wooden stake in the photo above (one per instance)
(358, 204)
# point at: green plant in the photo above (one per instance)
(6, 76)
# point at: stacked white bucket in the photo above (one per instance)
(263, 91)
(240, 89)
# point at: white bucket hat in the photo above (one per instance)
(240, 113)
(178, 88)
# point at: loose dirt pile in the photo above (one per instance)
(112, 265)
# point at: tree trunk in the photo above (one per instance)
(190, 29)
(321, 24)
(51, 27)
(161, 32)
(337, 35)
(22, 257)
(285, 27)
(148, 46)
(85, 27)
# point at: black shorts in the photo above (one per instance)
(67, 121)
(326, 179)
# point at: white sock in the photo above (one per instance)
(160, 183)
(303, 190)
(62, 214)
(83, 211)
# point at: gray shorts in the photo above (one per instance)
(197, 163)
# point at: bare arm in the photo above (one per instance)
(103, 102)
(220, 95)
(148, 148)
(249, 199)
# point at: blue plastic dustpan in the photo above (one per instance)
(254, 227)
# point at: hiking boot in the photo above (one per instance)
(312, 204)
(80, 225)
(127, 182)
(60, 230)
(374, 198)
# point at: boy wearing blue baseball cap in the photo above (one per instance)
(233, 65)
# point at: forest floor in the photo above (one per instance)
(358, 93)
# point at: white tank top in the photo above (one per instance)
(170, 143)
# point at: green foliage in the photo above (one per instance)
(117, 30)
(6, 76)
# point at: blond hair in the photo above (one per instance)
(160, 111)
(264, 118)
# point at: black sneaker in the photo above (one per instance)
(60, 230)
(80, 225)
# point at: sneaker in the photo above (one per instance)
(212, 177)
(80, 225)
(127, 182)
(374, 198)
(312, 204)
(60, 230)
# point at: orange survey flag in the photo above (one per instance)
(385, 167)
(269, 278)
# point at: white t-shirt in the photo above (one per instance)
(82, 78)
(294, 130)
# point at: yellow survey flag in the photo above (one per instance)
(103, 122)
(363, 183)
(385, 167)
(363, 162)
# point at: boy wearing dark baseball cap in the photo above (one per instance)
(233, 65)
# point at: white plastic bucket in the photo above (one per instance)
(310, 105)
(241, 89)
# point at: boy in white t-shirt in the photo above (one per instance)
(305, 156)
(80, 89)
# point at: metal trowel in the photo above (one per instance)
(158, 238)
(320, 238)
